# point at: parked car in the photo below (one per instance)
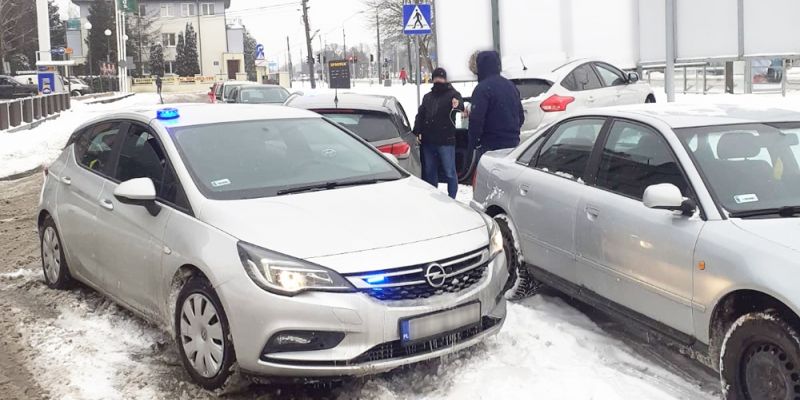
(78, 87)
(380, 120)
(258, 94)
(10, 88)
(259, 236)
(577, 85)
(223, 89)
(681, 218)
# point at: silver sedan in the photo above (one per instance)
(682, 218)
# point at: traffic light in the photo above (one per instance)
(319, 61)
(355, 59)
(371, 58)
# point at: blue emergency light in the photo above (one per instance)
(376, 279)
(167, 113)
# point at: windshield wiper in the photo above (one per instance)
(332, 185)
(785, 212)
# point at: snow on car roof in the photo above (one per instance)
(693, 115)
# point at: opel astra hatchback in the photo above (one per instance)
(259, 236)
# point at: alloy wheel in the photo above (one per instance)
(201, 335)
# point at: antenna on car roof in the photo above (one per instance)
(524, 67)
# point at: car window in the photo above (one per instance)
(94, 147)
(530, 88)
(403, 116)
(582, 78)
(3, 81)
(610, 75)
(371, 126)
(635, 157)
(218, 93)
(251, 159)
(527, 155)
(262, 95)
(567, 151)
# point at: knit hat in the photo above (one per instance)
(439, 73)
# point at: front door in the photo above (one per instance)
(130, 239)
(616, 85)
(638, 257)
(548, 194)
(233, 68)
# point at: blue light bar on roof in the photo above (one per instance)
(167, 113)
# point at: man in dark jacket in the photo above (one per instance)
(436, 130)
(496, 115)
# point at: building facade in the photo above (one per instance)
(217, 56)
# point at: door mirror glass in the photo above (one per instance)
(666, 196)
(633, 77)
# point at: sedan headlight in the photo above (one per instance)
(495, 236)
(288, 276)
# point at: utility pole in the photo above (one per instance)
(289, 59)
(378, 58)
(308, 45)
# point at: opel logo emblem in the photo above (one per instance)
(435, 275)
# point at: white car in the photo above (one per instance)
(268, 239)
(577, 85)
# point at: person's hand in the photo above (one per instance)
(455, 102)
(419, 139)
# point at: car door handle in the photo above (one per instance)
(66, 180)
(592, 212)
(107, 204)
(524, 189)
(590, 99)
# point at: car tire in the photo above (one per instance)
(650, 99)
(521, 283)
(207, 340)
(76, 93)
(760, 359)
(54, 262)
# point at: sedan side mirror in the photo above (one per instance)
(633, 77)
(138, 192)
(666, 196)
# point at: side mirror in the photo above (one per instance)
(633, 77)
(138, 192)
(666, 196)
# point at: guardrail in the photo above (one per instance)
(29, 110)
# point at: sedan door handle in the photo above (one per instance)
(66, 180)
(523, 189)
(107, 204)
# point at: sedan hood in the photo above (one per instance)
(777, 230)
(344, 220)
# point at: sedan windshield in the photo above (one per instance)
(263, 95)
(250, 159)
(752, 169)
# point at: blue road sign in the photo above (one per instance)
(417, 19)
(259, 52)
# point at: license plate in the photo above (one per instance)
(440, 322)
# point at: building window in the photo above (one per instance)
(167, 10)
(207, 8)
(188, 10)
(168, 39)
(168, 67)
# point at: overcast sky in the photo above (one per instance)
(270, 21)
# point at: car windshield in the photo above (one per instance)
(229, 88)
(251, 159)
(263, 95)
(371, 126)
(748, 167)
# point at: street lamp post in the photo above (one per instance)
(88, 27)
(107, 32)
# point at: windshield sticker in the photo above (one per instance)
(745, 198)
(220, 182)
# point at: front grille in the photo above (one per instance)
(410, 283)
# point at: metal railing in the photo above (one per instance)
(28, 110)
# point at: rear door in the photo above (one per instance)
(85, 174)
(616, 84)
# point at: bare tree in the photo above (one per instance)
(390, 18)
(17, 30)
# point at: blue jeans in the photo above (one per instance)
(434, 157)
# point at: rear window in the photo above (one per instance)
(529, 88)
(371, 126)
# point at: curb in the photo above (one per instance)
(20, 175)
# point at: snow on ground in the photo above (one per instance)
(26, 150)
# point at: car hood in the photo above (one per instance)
(777, 230)
(344, 220)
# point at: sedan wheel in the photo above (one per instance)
(54, 264)
(521, 283)
(202, 334)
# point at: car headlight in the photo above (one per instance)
(495, 236)
(288, 276)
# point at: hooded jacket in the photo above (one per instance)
(496, 116)
(434, 119)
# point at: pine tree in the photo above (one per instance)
(190, 51)
(249, 54)
(142, 36)
(157, 60)
(58, 30)
(180, 56)
(101, 16)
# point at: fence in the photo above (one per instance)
(28, 110)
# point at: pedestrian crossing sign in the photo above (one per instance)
(417, 19)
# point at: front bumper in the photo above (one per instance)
(371, 326)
